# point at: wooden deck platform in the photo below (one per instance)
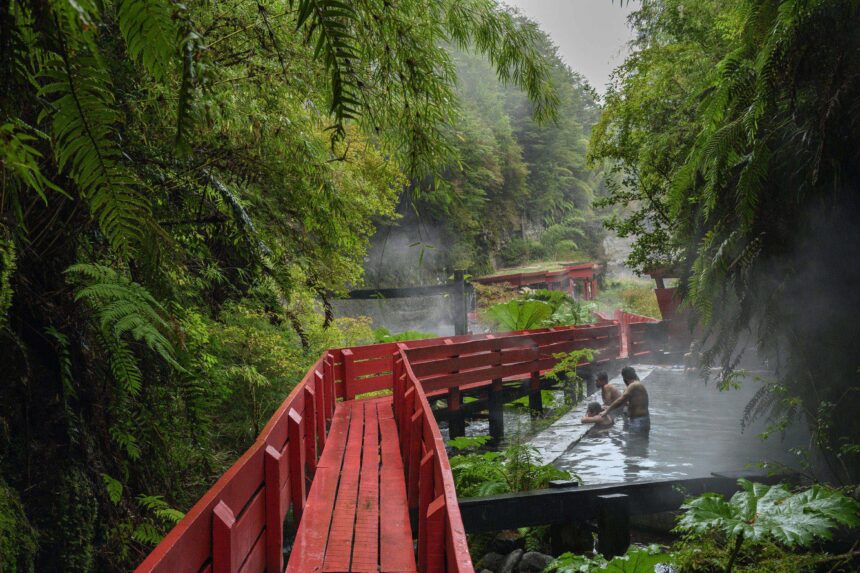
(356, 516)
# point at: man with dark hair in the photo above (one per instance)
(608, 392)
(636, 399)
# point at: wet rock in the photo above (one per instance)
(507, 541)
(511, 561)
(534, 562)
(491, 561)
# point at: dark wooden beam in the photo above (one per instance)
(406, 292)
(562, 505)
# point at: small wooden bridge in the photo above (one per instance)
(345, 466)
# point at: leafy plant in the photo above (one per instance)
(761, 513)
(490, 473)
(636, 560)
(519, 314)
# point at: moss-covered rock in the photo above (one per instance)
(17, 537)
(73, 531)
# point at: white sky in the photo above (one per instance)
(591, 35)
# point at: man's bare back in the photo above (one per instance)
(637, 399)
(609, 393)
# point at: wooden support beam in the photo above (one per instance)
(456, 420)
(496, 410)
(613, 524)
(535, 397)
(561, 505)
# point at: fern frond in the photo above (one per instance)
(149, 33)
(328, 25)
(84, 119)
(124, 308)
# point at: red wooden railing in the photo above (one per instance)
(237, 526)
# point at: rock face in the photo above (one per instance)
(534, 562)
(511, 561)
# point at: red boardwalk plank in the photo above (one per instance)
(365, 550)
(309, 548)
(338, 552)
(395, 532)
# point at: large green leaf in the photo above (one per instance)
(760, 512)
(520, 315)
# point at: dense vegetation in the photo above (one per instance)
(518, 190)
(733, 133)
(180, 187)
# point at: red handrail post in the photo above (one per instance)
(224, 554)
(405, 427)
(415, 439)
(274, 524)
(348, 374)
(310, 438)
(436, 513)
(328, 380)
(425, 497)
(319, 387)
(297, 462)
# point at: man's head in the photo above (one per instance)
(593, 409)
(628, 374)
(602, 379)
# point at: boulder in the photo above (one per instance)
(534, 562)
(507, 541)
(491, 561)
(511, 561)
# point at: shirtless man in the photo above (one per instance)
(608, 392)
(636, 398)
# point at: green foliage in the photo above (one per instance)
(461, 443)
(760, 513)
(564, 370)
(161, 519)
(519, 314)
(181, 187)
(124, 308)
(490, 473)
(512, 177)
(636, 560)
(636, 297)
(732, 141)
(383, 335)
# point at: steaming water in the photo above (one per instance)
(427, 314)
(695, 430)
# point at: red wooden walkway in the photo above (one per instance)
(347, 470)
